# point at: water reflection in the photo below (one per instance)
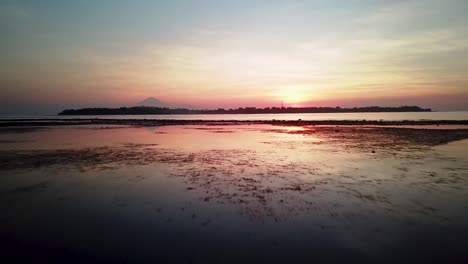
(225, 193)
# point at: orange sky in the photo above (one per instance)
(244, 53)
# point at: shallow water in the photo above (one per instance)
(398, 116)
(234, 194)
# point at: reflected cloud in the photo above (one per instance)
(275, 173)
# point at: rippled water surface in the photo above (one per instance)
(251, 193)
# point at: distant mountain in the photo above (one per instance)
(154, 102)
(151, 101)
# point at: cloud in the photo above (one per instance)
(319, 49)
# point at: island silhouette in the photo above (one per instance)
(150, 110)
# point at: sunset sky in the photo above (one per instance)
(61, 54)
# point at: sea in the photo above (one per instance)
(460, 115)
(238, 193)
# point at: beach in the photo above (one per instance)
(234, 191)
(234, 131)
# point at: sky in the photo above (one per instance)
(213, 53)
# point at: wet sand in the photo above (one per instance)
(235, 192)
(166, 122)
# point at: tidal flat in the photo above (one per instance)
(234, 193)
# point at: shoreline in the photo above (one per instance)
(166, 122)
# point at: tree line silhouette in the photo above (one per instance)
(145, 110)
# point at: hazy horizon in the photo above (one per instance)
(58, 55)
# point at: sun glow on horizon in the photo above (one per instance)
(235, 53)
(296, 95)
